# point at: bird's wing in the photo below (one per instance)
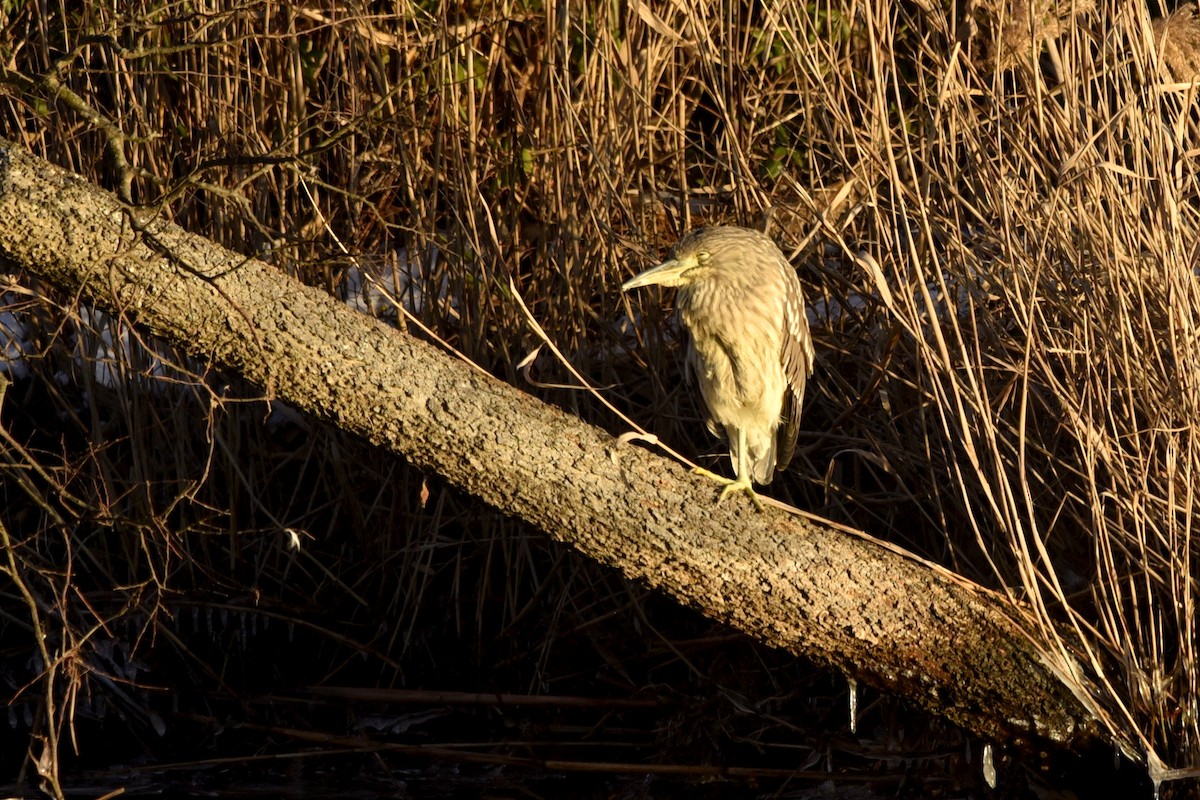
(694, 369)
(797, 359)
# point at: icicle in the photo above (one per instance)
(989, 767)
(853, 686)
(1156, 770)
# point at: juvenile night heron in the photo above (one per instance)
(749, 346)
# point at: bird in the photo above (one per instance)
(749, 345)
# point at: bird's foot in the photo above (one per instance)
(731, 485)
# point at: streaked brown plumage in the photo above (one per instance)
(750, 349)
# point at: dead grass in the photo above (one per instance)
(1000, 252)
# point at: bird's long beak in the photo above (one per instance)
(668, 273)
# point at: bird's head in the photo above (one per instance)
(716, 254)
(677, 271)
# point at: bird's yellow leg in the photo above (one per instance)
(742, 483)
(712, 475)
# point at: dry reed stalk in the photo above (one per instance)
(1178, 38)
(1003, 276)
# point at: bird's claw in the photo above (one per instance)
(731, 485)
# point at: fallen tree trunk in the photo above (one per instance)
(834, 598)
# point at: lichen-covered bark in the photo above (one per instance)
(834, 598)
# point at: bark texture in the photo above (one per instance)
(831, 597)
